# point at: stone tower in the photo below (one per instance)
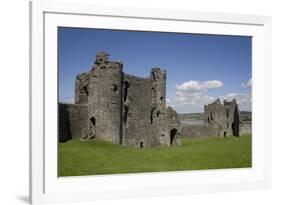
(232, 117)
(158, 92)
(104, 94)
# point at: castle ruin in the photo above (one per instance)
(225, 117)
(120, 108)
(220, 120)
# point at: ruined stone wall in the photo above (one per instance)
(72, 120)
(245, 128)
(139, 123)
(232, 116)
(214, 113)
(120, 108)
(173, 128)
(215, 117)
(105, 91)
(199, 131)
(229, 112)
(82, 88)
(225, 116)
(158, 92)
(144, 109)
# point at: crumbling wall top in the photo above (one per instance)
(157, 73)
(102, 61)
(233, 102)
(102, 58)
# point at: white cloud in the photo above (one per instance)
(189, 101)
(248, 84)
(191, 98)
(198, 86)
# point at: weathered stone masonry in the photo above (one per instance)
(220, 120)
(225, 117)
(72, 118)
(120, 108)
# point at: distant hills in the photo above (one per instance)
(194, 116)
(245, 116)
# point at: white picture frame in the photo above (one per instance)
(46, 187)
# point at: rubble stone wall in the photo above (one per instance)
(72, 120)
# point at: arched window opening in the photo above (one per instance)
(151, 115)
(85, 89)
(141, 145)
(153, 76)
(93, 121)
(115, 88)
(126, 87)
(158, 113)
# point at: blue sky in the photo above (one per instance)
(200, 68)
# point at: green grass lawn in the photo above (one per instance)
(98, 157)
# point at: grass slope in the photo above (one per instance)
(98, 157)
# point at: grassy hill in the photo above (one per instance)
(98, 157)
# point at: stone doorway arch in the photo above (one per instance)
(92, 130)
(173, 134)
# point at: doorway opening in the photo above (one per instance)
(92, 130)
(126, 87)
(173, 134)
